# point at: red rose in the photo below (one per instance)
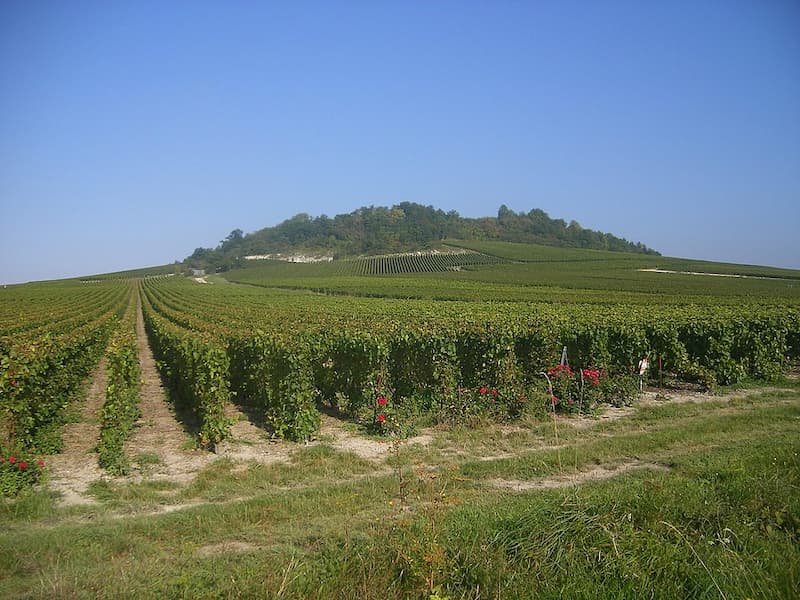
(381, 418)
(494, 392)
(381, 401)
(12, 460)
(483, 390)
(554, 400)
(40, 463)
(22, 464)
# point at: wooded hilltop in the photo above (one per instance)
(403, 227)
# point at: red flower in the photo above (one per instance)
(494, 392)
(483, 390)
(381, 401)
(22, 464)
(12, 460)
(591, 373)
(557, 370)
(595, 382)
(554, 400)
(40, 463)
(381, 418)
(1, 459)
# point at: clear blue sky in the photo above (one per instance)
(133, 132)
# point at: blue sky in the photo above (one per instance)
(133, 132)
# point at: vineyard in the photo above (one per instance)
(432, 261)
(528, 273)
(287, 352)
(50, 339)
(490, 352)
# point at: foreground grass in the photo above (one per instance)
(721, 520)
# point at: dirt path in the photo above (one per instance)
(656, 398)
(598, 473)
(159, 446)
(75, 467)
(249, 442)
(334, 433)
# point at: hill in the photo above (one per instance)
(480, 271)
(403, 227)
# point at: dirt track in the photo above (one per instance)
(75, 467)
(160, 446)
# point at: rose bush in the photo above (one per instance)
(17, 474)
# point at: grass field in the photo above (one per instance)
(692, 499)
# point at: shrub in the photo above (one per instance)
(18, 474)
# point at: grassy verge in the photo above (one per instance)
(721, 520)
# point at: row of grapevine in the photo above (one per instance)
(287, 350)
(41, 367)
(206, 363)
(419, 262)
(288, 310)
(274, 374)
(196, 368)
(36, 311)
(121, 407)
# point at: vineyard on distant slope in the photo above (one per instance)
(500, 271)
(431, 261)
(422, 261)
